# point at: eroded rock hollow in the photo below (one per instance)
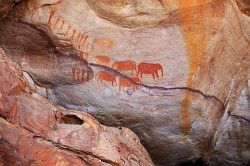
(175, 72)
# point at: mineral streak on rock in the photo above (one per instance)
(193, 30)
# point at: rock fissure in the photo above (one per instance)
(206, 96)
(238, 117)
(170, 70)
(69, 149)
(77, 152)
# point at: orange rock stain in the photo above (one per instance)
(193, 31)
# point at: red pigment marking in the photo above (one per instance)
(52, 13)
(77, 39)
(68, 30)
(72, 37)
(128, 82)
(103, 60)
(149, 68)
(87, 45)
(84, 41)
(84, 55)
(128, 65)
(57, 21)
(106, 76)
(79, 44)
(62, 25)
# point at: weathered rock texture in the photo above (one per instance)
(174, 71)
(35, 132)
(35, 51)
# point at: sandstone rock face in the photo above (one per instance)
(39, 56)
(35, 132)
(174, 72)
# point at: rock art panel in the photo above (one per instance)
(103, 60)
(123, 66)
(41, 133)
(129, 82)
(150, 68)
(168, 70)
(106, 76)
(56, 67)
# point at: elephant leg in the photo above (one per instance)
(156, 73)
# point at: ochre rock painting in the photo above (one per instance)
(105, 43)
(129, 66)
(102, 43)
(39, 53)
(123, 66)
(78, 39)
(79, 74)
(179, 57)
(83, 55)
(130, 82)
(36, 131)
(106, 76)
(150, 68)
(103, 60)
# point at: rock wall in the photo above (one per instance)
(174, 72)
(35, 132)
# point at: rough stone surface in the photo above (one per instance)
(173, 71)
(33, 131)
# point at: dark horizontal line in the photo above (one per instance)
(106, 68)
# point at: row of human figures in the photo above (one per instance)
(124, 66)
(121, 66)
(79, 39)
(130, 65)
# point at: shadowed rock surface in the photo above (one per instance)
(35, 51)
